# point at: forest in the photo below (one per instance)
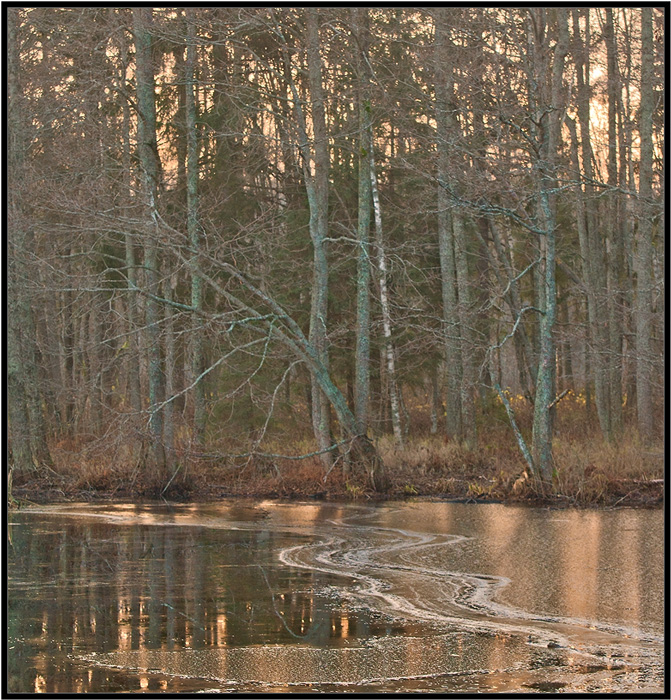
(335, 252)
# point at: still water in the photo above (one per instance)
(326, 597)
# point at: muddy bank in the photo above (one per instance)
(499, 488)
(588, 472)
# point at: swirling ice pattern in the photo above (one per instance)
(376, 557)
(389, 570)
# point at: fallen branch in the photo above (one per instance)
(642, 481)
(518, 434)
(559, 398)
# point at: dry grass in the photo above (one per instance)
(433, 466)
(588, 471)
(596, 471)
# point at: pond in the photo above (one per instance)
(269, 597)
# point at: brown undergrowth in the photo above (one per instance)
(588, 471)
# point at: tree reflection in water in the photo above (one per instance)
(80, 586)
(168, 599)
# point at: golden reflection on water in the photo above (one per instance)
(142, 588)
(626, 545)
(497, 657)
(147, 588)
(580, 564)
(40, 683)
(577, 564)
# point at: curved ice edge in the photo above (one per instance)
(231, 684)
(477, 590)
(481, 598)
(410, 677)
(92, 657)
(484, 588)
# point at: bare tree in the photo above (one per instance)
(150, 172)
(27, 423)
(643, 257)
(362, 354)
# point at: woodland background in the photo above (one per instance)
(335, 243)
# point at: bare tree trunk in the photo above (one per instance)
(149, 162)
(545, 385)
(31, 364)
(615, 267)
(361, 449)
(132, 311)
(453, 244)
(95, 362)
(49, 339)
(66, 334)
(193, 226)
(24, 392)
(292, 337)
(468, 370)
(524, 355)
(446, 246)
(80, 372)
(624, 220)
(170, 364)
(317, 190)
(567, 346)
(549, 144)
(19, 430)
(643, 257)
(388, 350)
(434, 392)
(362, 355)
(594, 271)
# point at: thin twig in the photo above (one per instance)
(559, 398)
(165, 488)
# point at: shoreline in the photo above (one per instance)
(648, 495)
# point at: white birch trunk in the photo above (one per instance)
(384, 303)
